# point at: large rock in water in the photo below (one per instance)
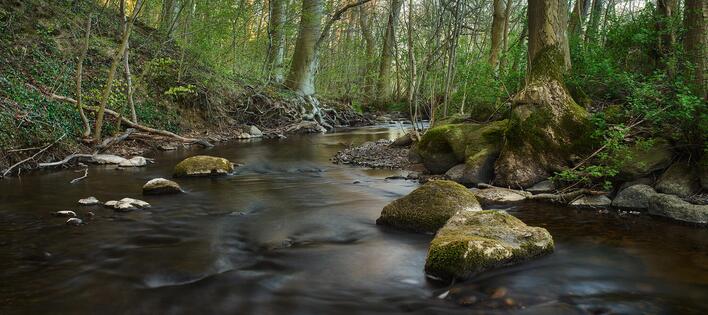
(680, 179)
(673, 207)
(161, 186)
(634, 197)
(475, 145)
(203, 165)
(472, 242)
(427, 208)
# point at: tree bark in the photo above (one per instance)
(497, 32)
(276, 30)
(368, 75)
(302, 71)
(383, 86)
(79, 78)
(695, 44)
(594, 25)
(577, 17)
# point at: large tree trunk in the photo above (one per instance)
(302, 71)
(276, 49)
(546, 125)
(695, 43)
(79, 77)
(497, 32)
(384, 87)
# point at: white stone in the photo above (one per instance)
(65, 213)
(137, 161)
(108, 159)
(74, 221)
(90, 201)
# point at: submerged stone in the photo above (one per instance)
(593, 201)
(473, 242)
(427, 208)
(203, 165)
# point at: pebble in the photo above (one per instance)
(499, 293)
(65, 213)
(74, 221)
(90, 201)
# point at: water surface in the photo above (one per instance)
(291, 233)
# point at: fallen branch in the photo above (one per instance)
(65, 160)
(560, 198)
(108, 142)
(78, 179)
(7, 171)
(123, 119)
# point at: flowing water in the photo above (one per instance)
(291, 233)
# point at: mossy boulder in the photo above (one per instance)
(473, 242)
(427, 208)
(675, 208)
(203, 165)
(445, 146)
(645, 160)
(679, 179)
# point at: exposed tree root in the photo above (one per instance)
(9, 169)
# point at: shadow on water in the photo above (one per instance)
(291, 233)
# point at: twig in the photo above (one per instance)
(78, 179)
(32, 157)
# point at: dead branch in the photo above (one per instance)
(65, 160)
(7, 171)
(78, 179)
(108, 142)
(125, 120)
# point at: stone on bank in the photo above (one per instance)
(473, 242)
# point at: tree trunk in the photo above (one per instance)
(302, 71)
(546, 125)
(79, 77)
(497, 32)
(665, 11)
(577, 17)
(384, 88)
(594, 26)
(166, 16)
(365, 25)
(276, 51)
(112, 71)
(695, 44)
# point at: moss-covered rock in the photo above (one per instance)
(203, 165)
(445, 146)
(644, 160)
(680, 179)
(427, 208)
(472, 242)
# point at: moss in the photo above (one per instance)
(644, 160)
(445, 146)
(203, 165)
(427, 208)
(478, 241)
(548, 64)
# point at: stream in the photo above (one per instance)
(292, 233)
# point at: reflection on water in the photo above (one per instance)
(291, 233)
